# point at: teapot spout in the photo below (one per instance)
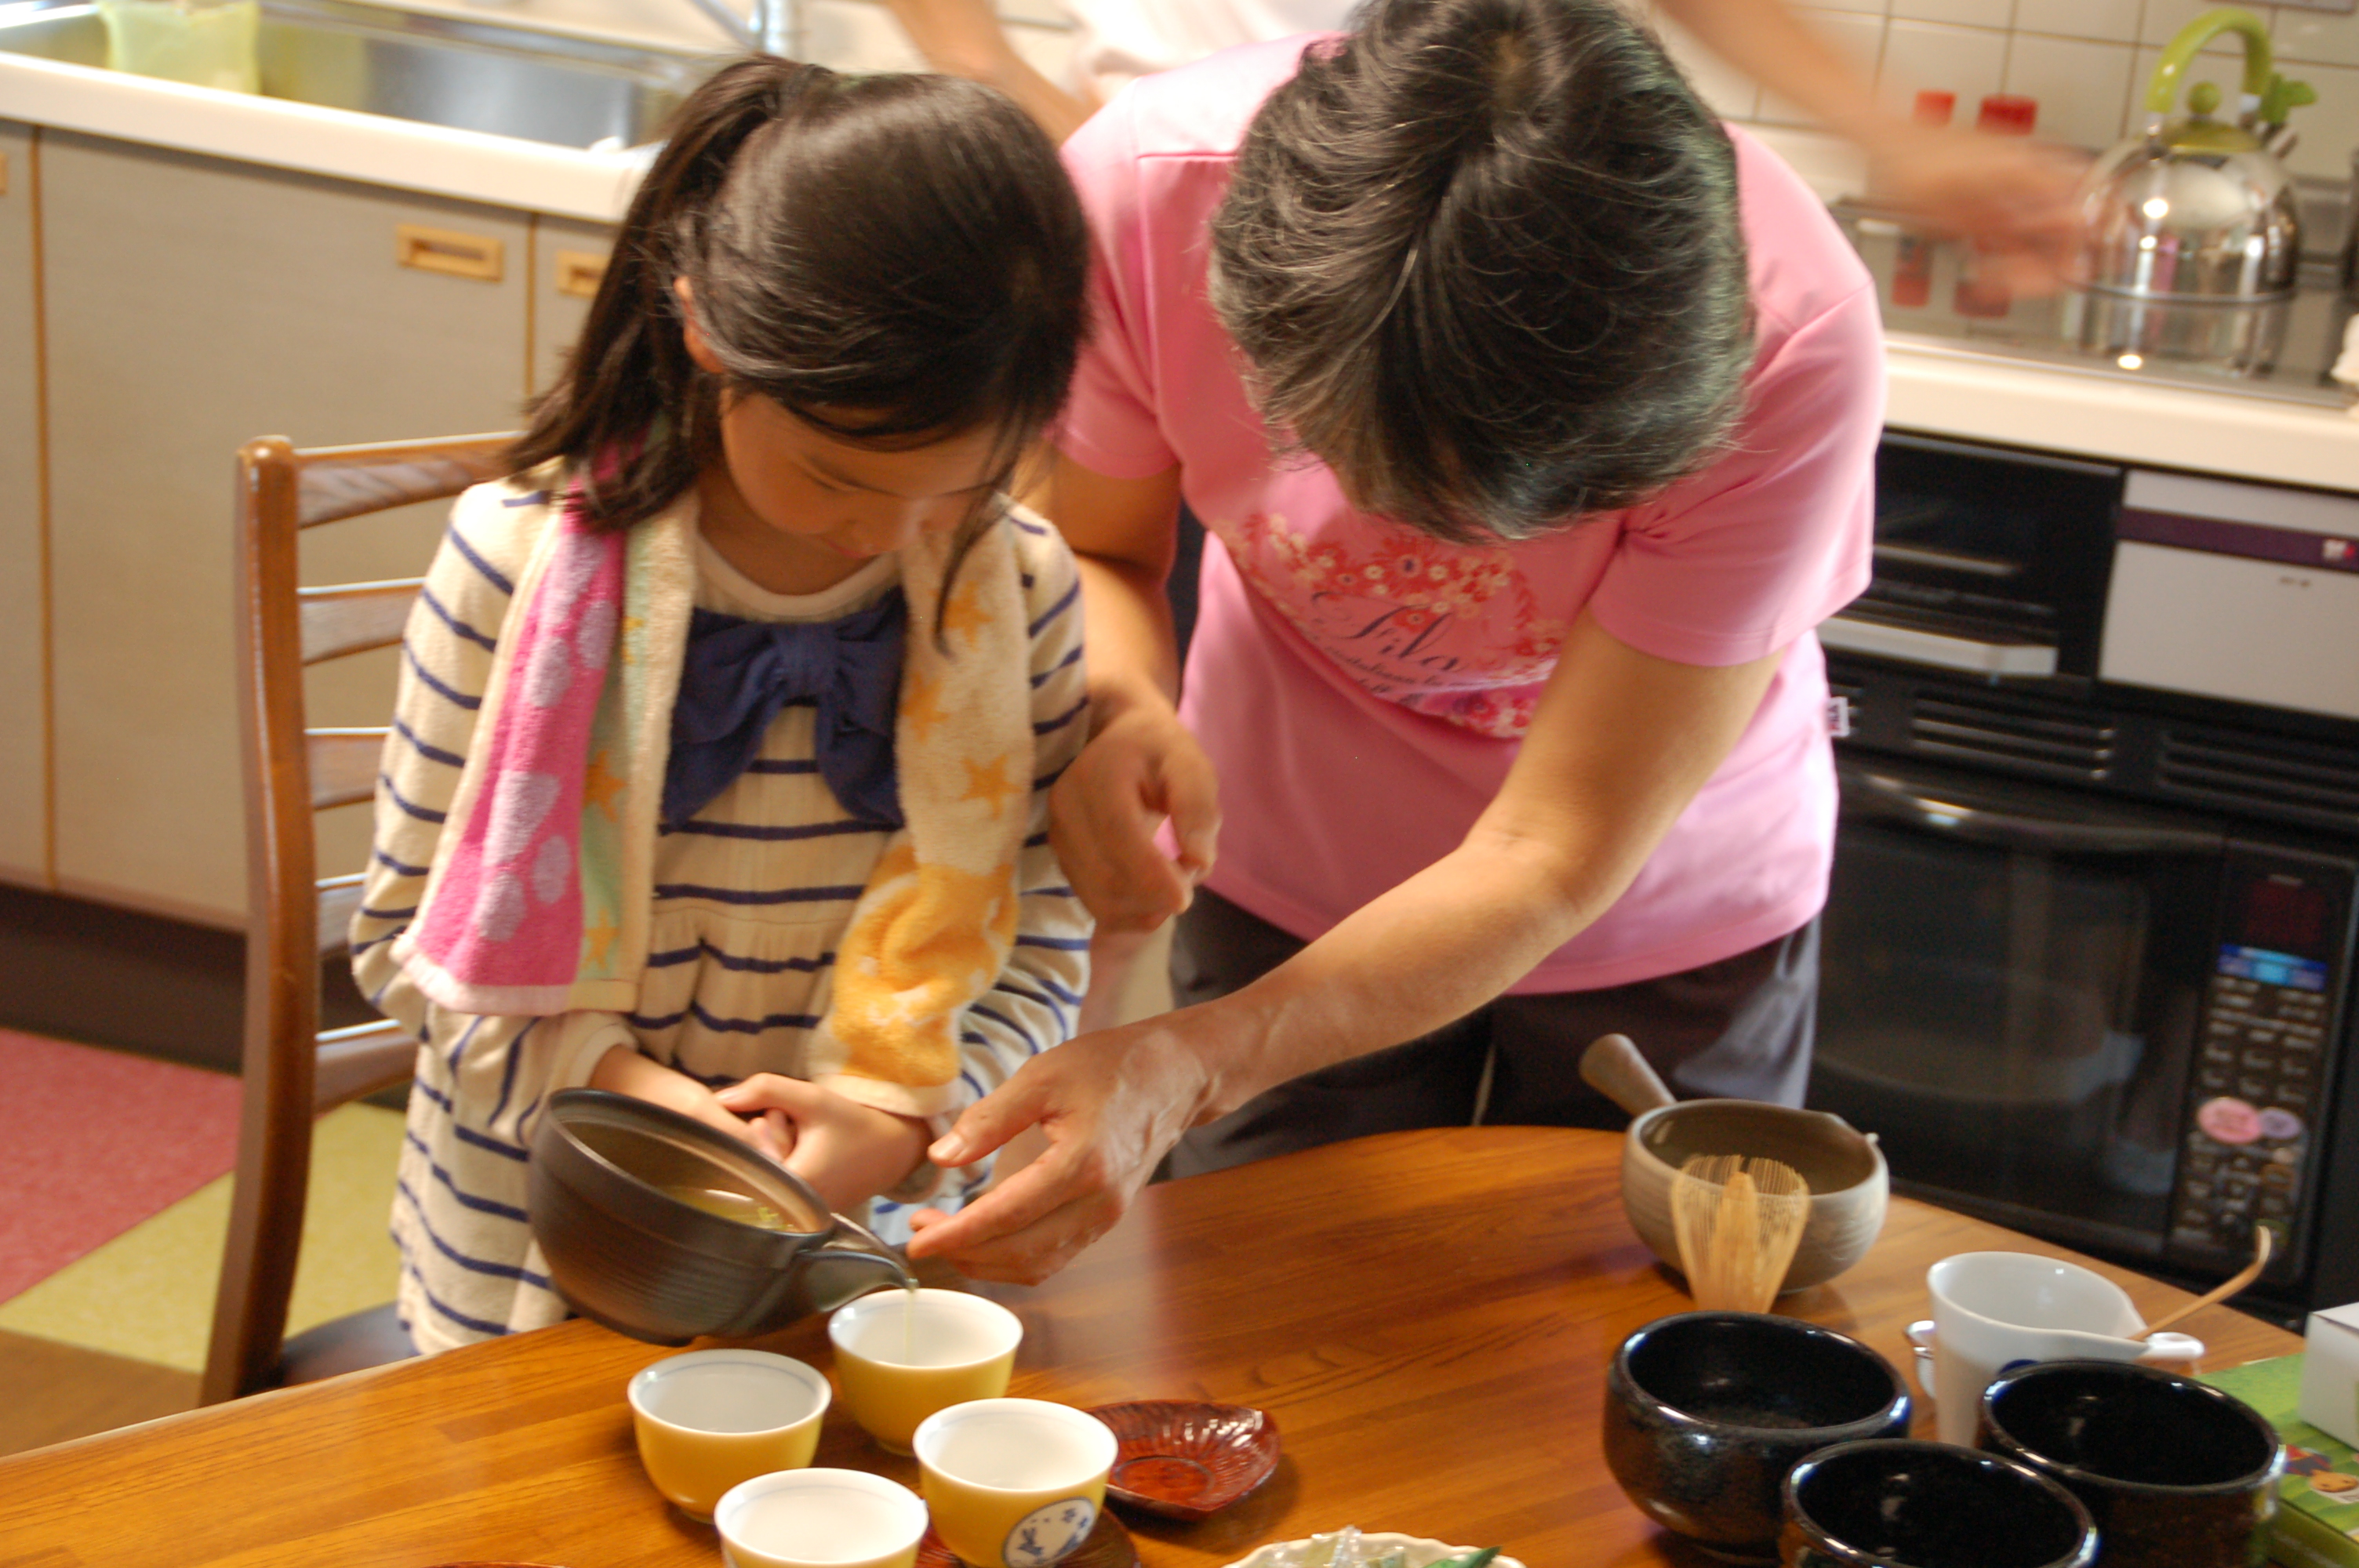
(853, 1261)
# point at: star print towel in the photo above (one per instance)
(538, 898)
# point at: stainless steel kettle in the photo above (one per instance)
(2199, 209)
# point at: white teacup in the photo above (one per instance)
(820, 1519)
(1993, 1311)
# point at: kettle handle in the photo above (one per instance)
(2162, 92)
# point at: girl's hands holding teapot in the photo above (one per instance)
(624, 1071)
(848, 1151)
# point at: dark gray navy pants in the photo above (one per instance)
(1741, 1028)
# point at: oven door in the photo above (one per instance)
(2010, 989)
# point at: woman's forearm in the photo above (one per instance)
(1766, 41)
(1432, 949)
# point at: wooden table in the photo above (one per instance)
(1426, 1314)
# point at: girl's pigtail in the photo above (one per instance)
(631, 415)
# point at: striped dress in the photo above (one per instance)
(751, 897)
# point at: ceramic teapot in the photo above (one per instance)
(663, 1228)
(2199, 209)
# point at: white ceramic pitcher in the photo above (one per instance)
(1993, 1311)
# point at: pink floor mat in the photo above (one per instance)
(96, 1141)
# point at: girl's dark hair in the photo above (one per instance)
(1484, 258)
(893, 259)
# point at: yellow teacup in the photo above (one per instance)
(710, 1419)
(820, 1518)
(1013, 1483)
(901, 1356)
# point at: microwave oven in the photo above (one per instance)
(2090, 942)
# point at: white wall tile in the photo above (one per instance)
(1968, 62)
(2113, 21)
(2082, 87)
(1860, 37)
(2316, 35)
(1871, 7)
(1727, 90)
(1962, 12)
(2329, 128)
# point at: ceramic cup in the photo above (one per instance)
(901, 1356)
(820, 1519)
(1903, 1504)
(2176, 1473)
(1705, 1413)
(1993, 1311)
(710, 1419)
(1013, 1483)
(1850, 1187)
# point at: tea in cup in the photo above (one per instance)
(2176, 1473)
(901, 1356)
(1997, 1310)
(820, 1518)
(1013, 1483)
(710, 1419)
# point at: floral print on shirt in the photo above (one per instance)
(1443, 630)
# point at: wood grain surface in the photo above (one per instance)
(1428, 1316)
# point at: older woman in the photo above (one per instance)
(1533, 415)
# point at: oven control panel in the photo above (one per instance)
(2263, 1061)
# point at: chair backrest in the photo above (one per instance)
(293, 1072)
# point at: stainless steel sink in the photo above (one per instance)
(468, 73)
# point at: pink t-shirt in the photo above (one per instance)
(1361, 686)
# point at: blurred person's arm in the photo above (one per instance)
(2012, 196)
(964, 37)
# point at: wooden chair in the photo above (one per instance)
(293, 1072)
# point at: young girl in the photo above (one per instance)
(718, 775)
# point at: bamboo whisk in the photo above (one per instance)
(1739, 1219)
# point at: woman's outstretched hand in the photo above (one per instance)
(1109, 1105)
(2015, 198)
(1139, 768)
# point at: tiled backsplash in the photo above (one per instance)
(2086, 61)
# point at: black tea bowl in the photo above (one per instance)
(1906, 1504)
(2176, 1473)
(1706, 1411)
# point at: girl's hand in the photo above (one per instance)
(624, 1071)
(1141, 766)
(848, 1151)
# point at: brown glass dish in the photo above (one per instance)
(1185, 1459)
(1108, 1547)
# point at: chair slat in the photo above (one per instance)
(353, 617)
(343, 765)
(338, 897)
(331, 490)
(362, 1060)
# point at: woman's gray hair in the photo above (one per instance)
(1482, 257)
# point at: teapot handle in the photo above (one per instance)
(2162, 92)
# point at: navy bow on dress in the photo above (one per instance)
(738, 673)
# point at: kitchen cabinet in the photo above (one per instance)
(569, 259)
(191, 304)
(24, 682)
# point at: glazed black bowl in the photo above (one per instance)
(1930, 1504)
(625, 1251)
(2175, 1472)
(1705, 1413)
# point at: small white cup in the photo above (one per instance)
(1996, 1311)
(710, 1419)
(820, 1519)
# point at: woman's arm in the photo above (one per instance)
(965, 38)
(1619, 744)
(2014, 196)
